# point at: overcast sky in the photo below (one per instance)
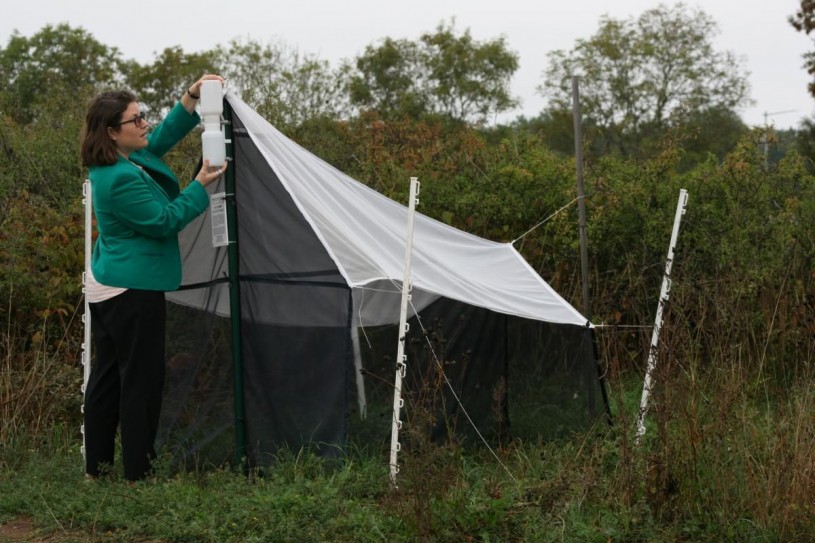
(756, 30)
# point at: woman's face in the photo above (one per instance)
(131, 133)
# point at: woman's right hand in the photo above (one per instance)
(208, 173)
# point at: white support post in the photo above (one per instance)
(361, 399)
(663, 300)
(86, 317)
(401, 358)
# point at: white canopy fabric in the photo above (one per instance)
(364, 233)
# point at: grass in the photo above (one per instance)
(299, 501)
(753, 485)
(727, 457)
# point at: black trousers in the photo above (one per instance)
(126, 381)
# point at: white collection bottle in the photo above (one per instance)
(213, 142)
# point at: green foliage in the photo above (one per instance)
(804, 21)
(802, 140)
(711, 132)
(641, 76)
(445, 74)
(301, 501)
(285, 86)
(470, 79)
(556, 128)
(725, 469)
(160, 84)
(55, 60)
(42, 156)
(40, 296)
(388, 79)
(43, 252)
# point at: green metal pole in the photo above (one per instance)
(234, 292)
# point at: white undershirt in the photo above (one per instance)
(96, 292)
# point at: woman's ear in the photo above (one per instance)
(111, 133)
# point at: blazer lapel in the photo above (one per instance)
(158, 172)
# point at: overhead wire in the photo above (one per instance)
(545, 220)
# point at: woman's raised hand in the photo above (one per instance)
(208, 173)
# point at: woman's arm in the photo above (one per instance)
(179, 121)
(137, 207)
(171, 130)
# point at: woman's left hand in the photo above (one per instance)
(195, 89)
(189, 99)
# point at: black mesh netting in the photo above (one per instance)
(468, 369)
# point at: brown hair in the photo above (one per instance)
(105, 111)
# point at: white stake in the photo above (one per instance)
(663, 299)
(361, 400)
(86, 317)
(401, 358)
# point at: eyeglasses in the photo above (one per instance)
(140, 120)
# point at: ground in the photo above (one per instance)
(23, 530)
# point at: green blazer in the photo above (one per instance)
(140, 210)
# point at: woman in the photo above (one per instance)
(139, 210)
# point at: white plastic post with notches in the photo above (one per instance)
(401, 358)
(86, 317)
(663, 299)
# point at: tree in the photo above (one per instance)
(711, 132)
(389, 79)
(49, 78)
(804, 142)
(642, 76)
(470, 79)
(159, 85)
(55, 60)
(285, 86)
(445, 74)
(804, 21)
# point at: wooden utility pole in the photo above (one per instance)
(581, 202)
